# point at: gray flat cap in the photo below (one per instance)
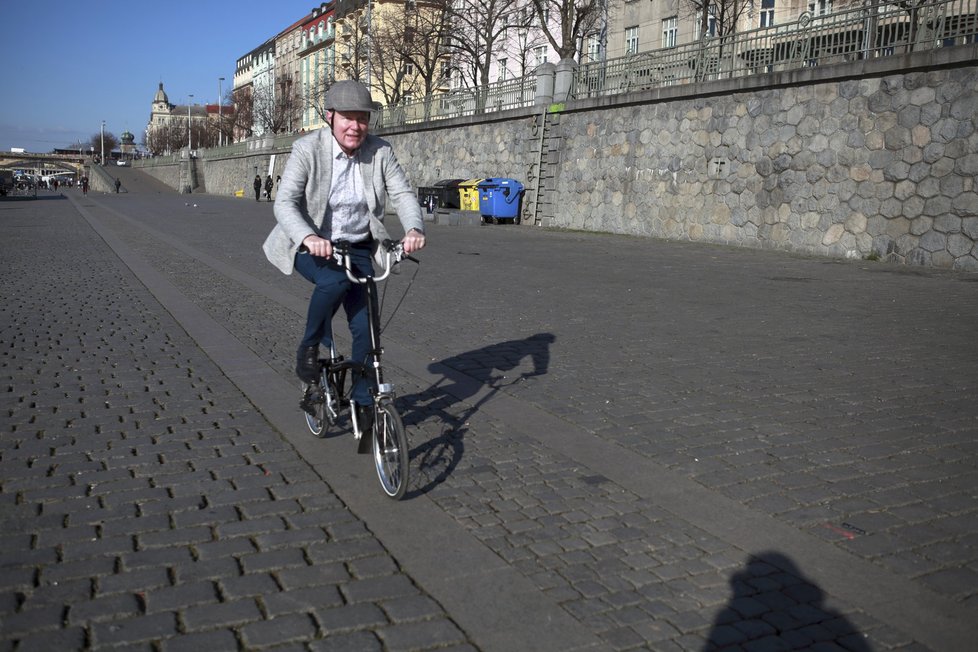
(349, 95)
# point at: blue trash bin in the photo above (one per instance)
(500, 199)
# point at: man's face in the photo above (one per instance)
(350, 129)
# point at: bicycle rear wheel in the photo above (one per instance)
(315, 406)
(390, 451)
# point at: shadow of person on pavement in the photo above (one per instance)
(494, 367)
(774, 607)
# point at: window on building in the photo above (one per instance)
(820, 7)
(631, 39)
(594, 47)
(409, 70)
(540, 54)
(503, 72)
(767, 13)
(670, 31)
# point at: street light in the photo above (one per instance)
(220, 113)
(103, 143)
(189, 143)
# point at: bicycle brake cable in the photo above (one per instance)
(383, 297)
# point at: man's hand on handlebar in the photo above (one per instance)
(318, 246)
(413, 241)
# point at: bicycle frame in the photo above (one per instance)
(323, 400)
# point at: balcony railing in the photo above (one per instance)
(867, 32)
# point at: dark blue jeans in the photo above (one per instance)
(333, 289)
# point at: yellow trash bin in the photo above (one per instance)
(468, 195)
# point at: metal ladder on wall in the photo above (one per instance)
(538, 204)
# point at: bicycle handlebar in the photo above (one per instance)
(393, 254)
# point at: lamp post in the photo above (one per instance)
(103, 143)
(220, 113)
(189, 132)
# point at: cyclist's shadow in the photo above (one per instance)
(466, 376)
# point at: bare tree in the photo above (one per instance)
(478, 36)
(353, 45)
(100, 138)
(391, 71)
(226, 117)
(525, 35)
(243, 117)
(167, 137)
(411, 50)
(574, 19)
(725, 15)
(428, 30)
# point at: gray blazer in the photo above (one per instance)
(302, 198)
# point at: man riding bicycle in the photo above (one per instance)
(335, 188)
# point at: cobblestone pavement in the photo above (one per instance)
(616, 444)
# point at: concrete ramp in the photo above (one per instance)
(135, 181)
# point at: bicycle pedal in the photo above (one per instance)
(310, 399)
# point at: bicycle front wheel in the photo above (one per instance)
(390, 451)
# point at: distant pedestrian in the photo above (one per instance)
(118, 184)
(269, 184)
(84, 185)
(257, 186)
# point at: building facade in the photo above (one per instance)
(174, 126)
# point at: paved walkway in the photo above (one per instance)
(617, 444)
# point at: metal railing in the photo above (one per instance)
(866, 32)
(863, 33)
(499, 96)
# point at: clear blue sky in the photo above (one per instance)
(70, 64)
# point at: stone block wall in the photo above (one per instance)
(498, 148)
(875, 167)
(168, 174)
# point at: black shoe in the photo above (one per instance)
(307, 364)
(365, 423)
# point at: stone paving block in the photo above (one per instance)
(179, 597)
(289, 538)
(142, 579)
(273, 560)
(221, 549)
(44, 617)
(112, 546)
(302, 600)
(318, 575)
(222, 639)
(342, 550)
(132, 524)
(247, 586)
(416, 635)
(113, 607)
(251, 527)
(70, 638)
(175, 537)
(224, 614)
(957, 582)
(133, 630)
(349, 617)
(378, 588)
(66, 593)
(275, 631)
(352, 642)
(82, 569)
